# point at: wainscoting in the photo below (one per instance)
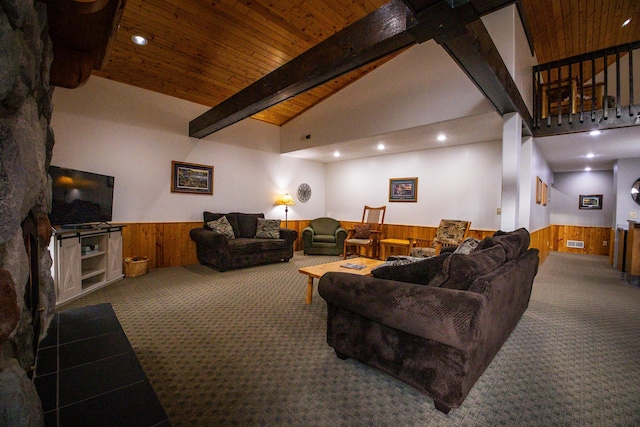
(168, 244)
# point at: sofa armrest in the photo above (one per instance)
(289, 235)
(447, 316)
(308, 230)
(206, 237)
(341, 236)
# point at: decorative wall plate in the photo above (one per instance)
(304, 192)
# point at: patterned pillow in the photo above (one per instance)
(268, 229)
(468, 245)
(222, 226)
(362, 231)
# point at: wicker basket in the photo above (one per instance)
(135, 266)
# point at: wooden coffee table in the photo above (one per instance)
(319, 270)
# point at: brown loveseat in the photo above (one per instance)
(236, 240)
(437, 323)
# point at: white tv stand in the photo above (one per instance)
(85, 259)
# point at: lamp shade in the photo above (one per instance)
(286, 199)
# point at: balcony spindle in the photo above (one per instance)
(630, 81)
(618, 82)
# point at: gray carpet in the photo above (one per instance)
(242, 348)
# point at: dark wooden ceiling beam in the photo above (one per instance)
(479, 59)
(462, 34)
(372, 37)
(455, 24)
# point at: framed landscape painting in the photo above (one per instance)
(591, 202)
(191, 178)
(403, 190)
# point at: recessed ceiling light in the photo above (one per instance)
(587, 169)
(590, 156)
(441, 137)
(381, 146)
(336, 154)
(139, 40)
(595, 132)
(626, 22)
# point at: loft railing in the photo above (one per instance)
(591, 91)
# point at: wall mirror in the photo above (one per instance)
(635, 191)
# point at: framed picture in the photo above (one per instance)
(545, 194)
(538, 190)
(591, 202)
(403, 189)
(191, 178)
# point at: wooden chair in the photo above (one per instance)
(367, 233)
(450, 233)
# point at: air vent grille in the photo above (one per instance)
(575, 244)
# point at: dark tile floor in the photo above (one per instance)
(87, 373)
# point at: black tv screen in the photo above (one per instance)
(80, 197)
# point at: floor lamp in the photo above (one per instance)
(287, 201)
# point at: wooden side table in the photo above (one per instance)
(390, 247)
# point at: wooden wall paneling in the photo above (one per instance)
(169, 244)
(593, 238)
(148, 242)
(539, 241)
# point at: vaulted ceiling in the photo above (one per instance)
(205, 52)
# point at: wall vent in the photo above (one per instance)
(575, 244)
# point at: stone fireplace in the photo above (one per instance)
(27, 297)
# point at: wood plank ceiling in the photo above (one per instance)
(205, 52)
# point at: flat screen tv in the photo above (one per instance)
(79, 197)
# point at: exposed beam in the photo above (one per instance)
(455, 24)
(478, 57)
(462, 34)
(374, 36)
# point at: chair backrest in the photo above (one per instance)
(324, 225)
(374, 217)
(452, 232)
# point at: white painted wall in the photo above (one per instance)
(506, 30)
(133, 134)
(411, 90)
(462, 182)
(568, 186)
(539, 215)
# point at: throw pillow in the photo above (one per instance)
(514, 243)
(268, 229)
(222, 226)
(459, 270)
(467, 246)
(362, 231)
(411, 270)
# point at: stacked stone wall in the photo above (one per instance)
(26, 141)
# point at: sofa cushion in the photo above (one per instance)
(231, 217)
(245, 246)
(459, 270)
(221, 226)
(324, 238)
(362, 231)
(247, 224)
(268, 229)
(417, 270)
(514, 243)
(272, 244)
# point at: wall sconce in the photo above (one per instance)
(287, 201)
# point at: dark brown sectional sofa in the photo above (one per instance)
(440, 327)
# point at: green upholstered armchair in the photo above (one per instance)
(323, 236)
